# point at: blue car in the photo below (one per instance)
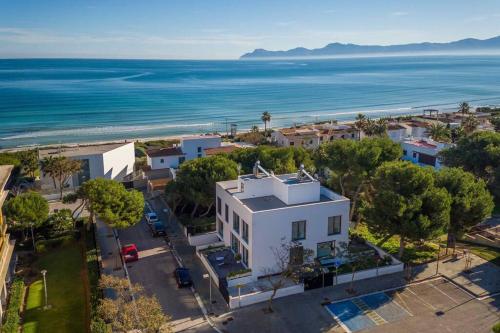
(182, 277)
(158, 229)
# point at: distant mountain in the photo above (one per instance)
(336, 49)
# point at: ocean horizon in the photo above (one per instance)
(51, 101)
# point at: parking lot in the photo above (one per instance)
(154, 271)
(432, 306)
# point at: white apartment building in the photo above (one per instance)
(111, 161)
(190, 147)
(423, 152)
(260, 211)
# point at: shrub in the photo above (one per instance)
(241, 271)
(496, 328)
(44, 245)
(11, 324)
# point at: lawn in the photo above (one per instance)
(488, 253)
(66, 293)
(414, 253)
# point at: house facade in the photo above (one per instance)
(190, 147)
(312, 136)
(110, 161)
(423, 152)
(260, 211)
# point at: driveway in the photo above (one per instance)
(154, 271)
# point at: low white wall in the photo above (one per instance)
(206, 246)
(211, 272)
(203, 239)
(240, 280)
(370, 273)
(258, 297)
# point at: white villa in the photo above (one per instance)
(260, 211)
(111, 161)
(423, 151)
(190, 147)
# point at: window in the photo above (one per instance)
(236, 222)
(235, 244)
(405, 152)
(199, 149)
(219, 206)
(162, 160)
(244, 255)
(220, 228)
(181, 159)
(352, 135)
(245, 231)
(324, 249)
(334, 225)
(199, 155)
(414, 154)
(226, 213)
(298, 230)
(292, 143)
(310, 142)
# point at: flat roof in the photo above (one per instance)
(421, 143)
(269, 202)
(219, 150)
(170, 151)
(195, 137)
(81, 150)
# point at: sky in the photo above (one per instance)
(226, 29)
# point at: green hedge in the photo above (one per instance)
(496, 328)
(12, 315)
(44, 245)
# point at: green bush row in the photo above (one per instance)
(43, 245)
(12, 315)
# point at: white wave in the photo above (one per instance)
(101, 130)
(396, 110)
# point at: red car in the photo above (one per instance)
(130, 253)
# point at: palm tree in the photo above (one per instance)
(380, 127)
(254, 129)
(439, 132)
(470, 124)
(266, 118)
(457, 133)
(464, 108)
(360, 123)
(370, 127)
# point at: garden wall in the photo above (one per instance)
(370, 273)
(263, 296)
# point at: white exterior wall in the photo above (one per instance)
(419, 132)
(280, 139)
(190, 145)
(171, 162)
(267, 228)
(397, 135)
(119, 162)
(412, 148)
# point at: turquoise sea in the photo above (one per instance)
(67, 101)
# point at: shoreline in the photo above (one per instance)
(178, 136)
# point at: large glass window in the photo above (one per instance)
(324, 249)
(236, 222)
(226, 213)
(235, 244)
(298, 230)
(334, 225)
(245, 231)
(84, 173)
(219, 206)
(244, 255)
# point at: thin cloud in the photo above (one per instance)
(400, 13)
(32, 36)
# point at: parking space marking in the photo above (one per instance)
(430, 306)
(442, 292)
(402, 307)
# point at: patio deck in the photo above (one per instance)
(223, 262)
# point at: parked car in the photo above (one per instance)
(158, 229)
(130, 253)
(151, 217)
(183, 277)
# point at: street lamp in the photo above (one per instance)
(207, 276)
(44, 272)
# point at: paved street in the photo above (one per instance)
(154, 271)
